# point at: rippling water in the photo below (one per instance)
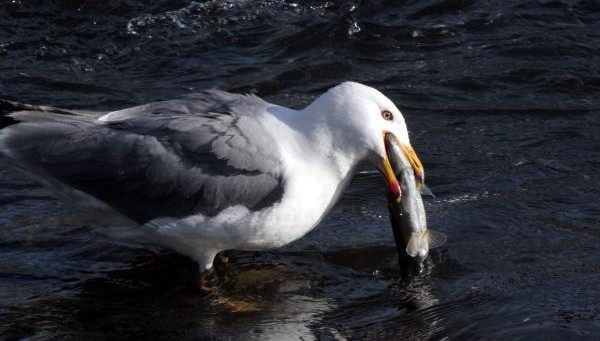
(502, 99)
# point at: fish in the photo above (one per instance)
(407, 214)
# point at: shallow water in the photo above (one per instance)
(502, 100)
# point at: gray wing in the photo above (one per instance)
(200, 154)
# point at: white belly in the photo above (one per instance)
(306, 200)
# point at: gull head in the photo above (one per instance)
(363, 120)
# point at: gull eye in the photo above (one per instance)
(387, 115)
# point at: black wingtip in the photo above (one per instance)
(7, 107)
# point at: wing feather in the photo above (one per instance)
(200, 154)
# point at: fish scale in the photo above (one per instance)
(407, 215)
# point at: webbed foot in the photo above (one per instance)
(211, 284)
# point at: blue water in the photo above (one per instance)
(502, 101)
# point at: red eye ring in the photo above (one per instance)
(387, 115)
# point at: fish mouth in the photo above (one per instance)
(389, 173)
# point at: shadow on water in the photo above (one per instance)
(346, 294)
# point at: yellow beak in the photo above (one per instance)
(388, 171)
(390, 177)
(414, 162)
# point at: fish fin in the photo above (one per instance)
(424, 190)
(435, 238)
(417, 244)
(421, 243)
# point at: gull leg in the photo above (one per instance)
(209, 281)
(222, 258)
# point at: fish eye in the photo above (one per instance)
(387, 115)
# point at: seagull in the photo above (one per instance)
(212, 171)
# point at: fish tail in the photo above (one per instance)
(421, 242)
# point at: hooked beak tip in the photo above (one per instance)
(415, 163)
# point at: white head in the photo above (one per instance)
(365, 119)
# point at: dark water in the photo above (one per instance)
(502, 99)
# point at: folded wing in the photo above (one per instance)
(200, 154)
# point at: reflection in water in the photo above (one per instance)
(346, 294)
(397, 311)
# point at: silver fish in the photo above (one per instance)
(409, 221)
